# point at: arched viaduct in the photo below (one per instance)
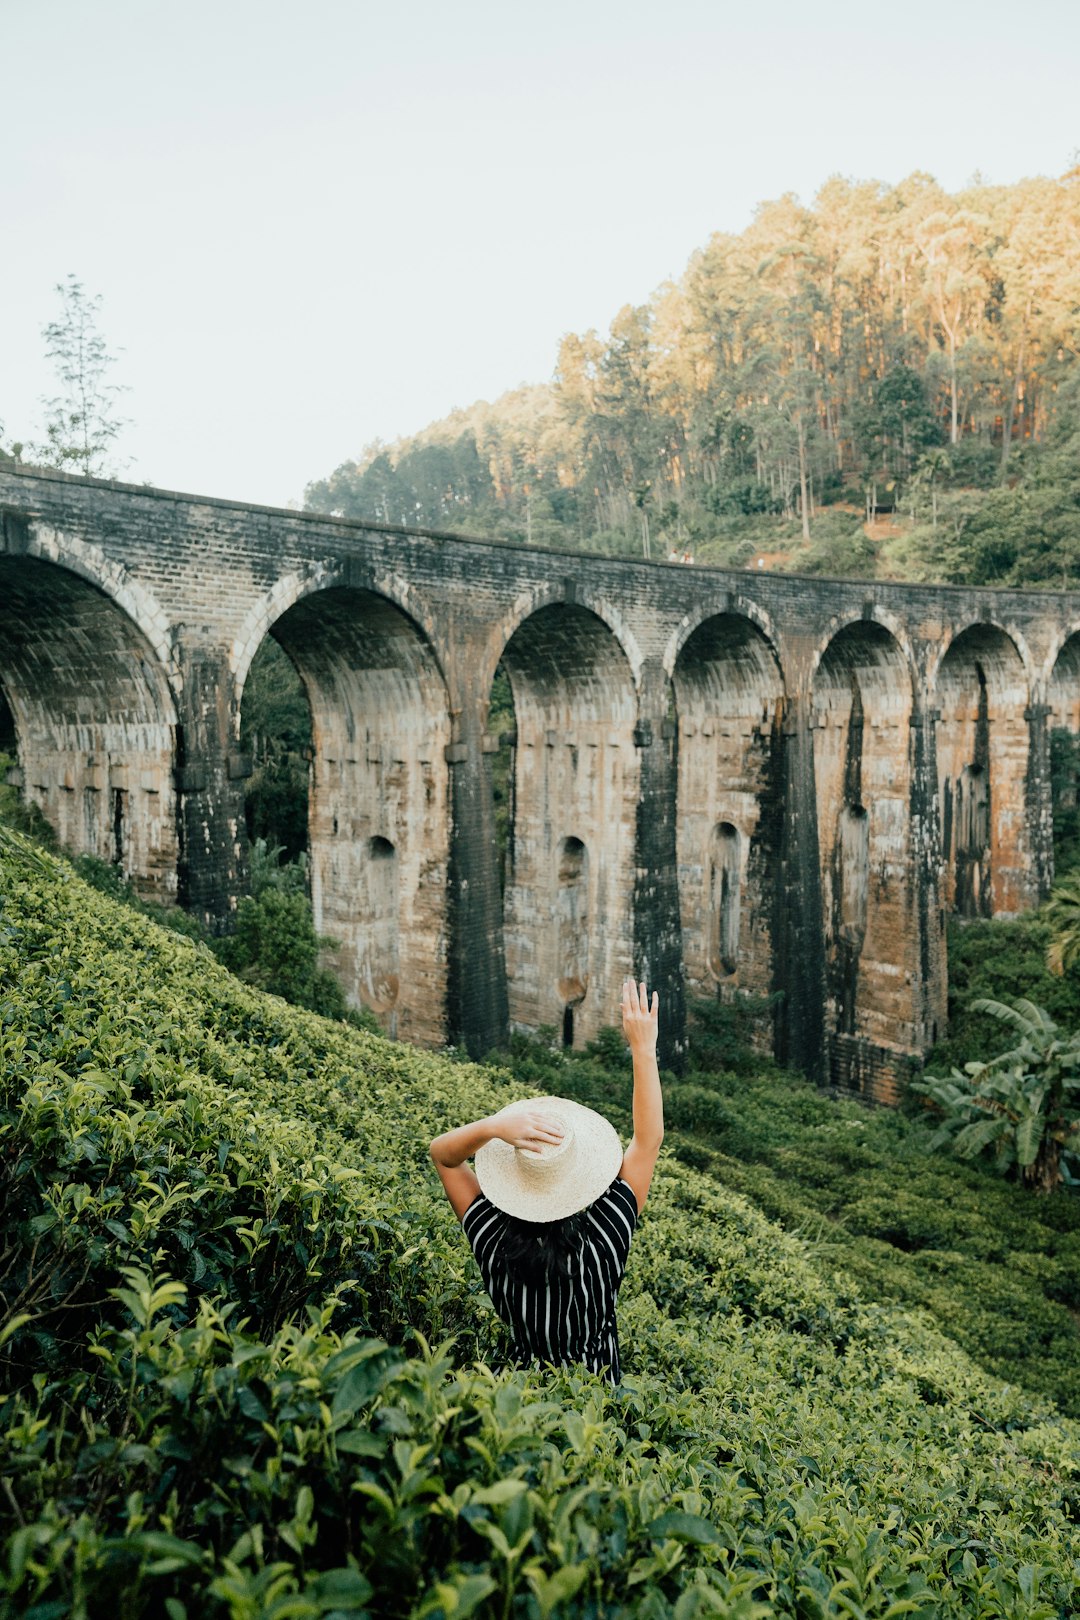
(726, 781)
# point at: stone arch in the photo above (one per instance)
(135, 599)
(873, 613)
(1005, 633)
(378, 811)
(1063, 722)
(981, 697)
(861, 705)
(733, 603)
(1063, 685)
(95, 720)
(293, 588)
(568, 905)
(729, 702)
(569, 594)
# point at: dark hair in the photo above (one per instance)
(537, 1251)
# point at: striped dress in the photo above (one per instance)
(563, 1318)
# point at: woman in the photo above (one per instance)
(552, 1206)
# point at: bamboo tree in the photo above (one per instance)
(80, 425)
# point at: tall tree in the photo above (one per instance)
(886, 337)
(80, 423)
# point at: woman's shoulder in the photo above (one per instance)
(481, 1216)
(620, 1197)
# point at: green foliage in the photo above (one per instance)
(1023, 1105)
(15, 812)
(996, 960)
(839, 549)
(80, 424)
(222, 1239)
(997, 1272)
(275, 729)
(274, 945)
(732, 1034)
(1062, 916)
(110, 880)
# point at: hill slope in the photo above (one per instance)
(220, 1234)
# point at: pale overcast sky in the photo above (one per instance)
(314, 225)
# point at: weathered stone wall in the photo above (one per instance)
(775, 781)
(569, 889)
(862, 702)
(379, 807)
(729, 698)
(95, 723)
(982, 703)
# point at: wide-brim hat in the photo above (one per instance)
(558, 1179)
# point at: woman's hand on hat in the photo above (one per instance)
(640, 1019)
(528, 1128)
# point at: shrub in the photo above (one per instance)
(221, 1243)
(1023, 1105)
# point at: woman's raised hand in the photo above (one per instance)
(639, 1019)
(528, 1128)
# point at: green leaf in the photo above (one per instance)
(356, 1389)
(342, 1589)
(551, 1590)
(1029, 1138)
(458, 1598)
(504, 1490)
(978, 1135)
(676, 1526)
(360, 1443)
(13, 1324)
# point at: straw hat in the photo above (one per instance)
(558, 1179)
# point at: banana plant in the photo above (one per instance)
(1023, 1104)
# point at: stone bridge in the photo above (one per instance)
(725, 781)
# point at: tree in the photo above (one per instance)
(1024, 1104)
(888, 336)
(12, 452)
(80, 425)
(275, 728)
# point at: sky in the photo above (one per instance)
(314, 226)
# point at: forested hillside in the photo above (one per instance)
(222, 1235)
(890, 353)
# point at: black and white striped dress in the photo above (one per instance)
(563, 1318)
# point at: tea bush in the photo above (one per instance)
(998, 1269)
(999, 959)
(248, 1368)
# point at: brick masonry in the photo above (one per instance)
(732, 781)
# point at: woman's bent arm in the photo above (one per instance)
(521, 1127)
(640, 1022)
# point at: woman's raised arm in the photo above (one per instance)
(640, 1022)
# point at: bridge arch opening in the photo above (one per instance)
(982, 745)
(572, 805)
(572, 959)
(378, 805)
(861, 725)
(1064, 721)
(728, 708)
(89, 715)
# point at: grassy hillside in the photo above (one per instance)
(997, 1268)
(229, 1279)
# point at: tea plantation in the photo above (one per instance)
(248, 1369)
